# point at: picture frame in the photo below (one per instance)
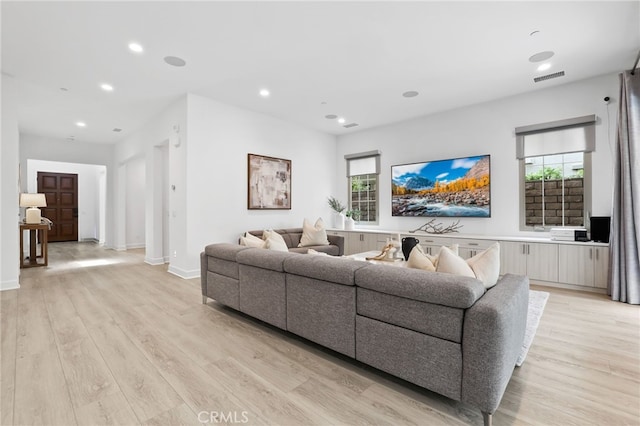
(268, 183)
(455, 187)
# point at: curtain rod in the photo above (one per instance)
(633, 69)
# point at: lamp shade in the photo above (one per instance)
(33, 200)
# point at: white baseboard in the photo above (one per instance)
(136, 246)
(154, 261)
(9, 285)
(120, 248)
(187, 275)
(89, 240)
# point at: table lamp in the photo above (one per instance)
(33, 201)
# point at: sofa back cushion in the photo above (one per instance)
(431, 287)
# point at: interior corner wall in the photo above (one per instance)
(9, 210)
(146, 145)
(488, 128)
(34, 147)
(219, 138)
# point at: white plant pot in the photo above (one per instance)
(338, 220)
(349, 224)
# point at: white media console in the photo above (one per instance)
(567, 264)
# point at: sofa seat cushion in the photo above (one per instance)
(440, 321)
(427, 361)
(432, 287)
(265, 259)
(327, 268)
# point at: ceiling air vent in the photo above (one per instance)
(346, 126)
(549, 76)
(117, 130)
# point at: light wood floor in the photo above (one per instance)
(99, 337)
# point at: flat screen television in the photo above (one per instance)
(459, 187)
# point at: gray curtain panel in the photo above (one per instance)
(624, 260)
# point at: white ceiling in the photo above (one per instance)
(358, 57)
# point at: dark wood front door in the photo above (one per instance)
(61, 190)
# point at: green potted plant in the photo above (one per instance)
(338, 208)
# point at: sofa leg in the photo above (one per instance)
(204, 300)
(487, 417)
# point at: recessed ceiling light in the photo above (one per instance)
(264, 93)
(175, 61)
(544, 66)
(106, 87)
(135, 47)
(541, 56)
(330, 116)
(410, 94)
(341, 120)
(81, 124)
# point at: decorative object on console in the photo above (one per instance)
(600, 228)
(313, 234)
(32, 202)
(408, 243)
(269, 183)
(338, 208)
(457, 187)
(437, 228)
(350, 221)
(387, 254)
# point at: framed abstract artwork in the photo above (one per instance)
(269, 183)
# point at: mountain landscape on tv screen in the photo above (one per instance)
(455, 188)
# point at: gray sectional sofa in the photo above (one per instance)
(443, 332)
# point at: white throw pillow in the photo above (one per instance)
(251, 240)
(316, 252)
(486, 265)
(434, 257)
(274, 241)
(451, 263)
(418, 259)
(313, 235)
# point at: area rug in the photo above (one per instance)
(537, 302)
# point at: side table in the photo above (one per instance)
(33, 229)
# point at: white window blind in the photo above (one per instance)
(558, 137)
(364, 163)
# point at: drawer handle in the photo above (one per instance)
(474, 244)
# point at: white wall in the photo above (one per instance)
(33, 147)
(488, 128)
(89, 193)
(9, 210)
(135, 203)
(219, 138)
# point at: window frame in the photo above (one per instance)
(587, 195)
(376, 199)
(375, 170)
